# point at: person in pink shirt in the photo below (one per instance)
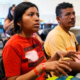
(38, 37)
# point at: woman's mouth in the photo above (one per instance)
(37, 25)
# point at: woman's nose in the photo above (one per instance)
(37, 18)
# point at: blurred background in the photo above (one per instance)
(47, 14)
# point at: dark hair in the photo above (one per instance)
(18, 13)
(63, 5)
(9, 16)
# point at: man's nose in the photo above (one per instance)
(73, 16)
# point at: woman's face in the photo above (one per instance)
(12, 10)
(30, 20)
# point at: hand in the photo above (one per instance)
(12, 21)
(70, 54)
(58, 67)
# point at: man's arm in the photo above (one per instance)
(75, 66)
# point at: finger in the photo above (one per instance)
(64, 62)
(65, 67)
(56, 72)
(62, 71)
(72, 58)
(75, 56)
(72, 52)
(77, 52)
(62, 58)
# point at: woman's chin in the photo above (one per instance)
(36, 30)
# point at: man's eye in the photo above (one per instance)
(67, 14)
(74, 13)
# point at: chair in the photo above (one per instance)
(1, 36)
(78, 38)
(2, 72)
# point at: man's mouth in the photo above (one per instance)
(72, 22)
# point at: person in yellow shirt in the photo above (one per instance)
(60, 38)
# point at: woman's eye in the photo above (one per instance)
(38, 15)
(30, 14)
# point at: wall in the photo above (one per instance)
(46, 8)
(4, 6)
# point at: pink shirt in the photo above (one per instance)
(34, 34)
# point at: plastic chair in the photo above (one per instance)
(78, 38)
(1, 40)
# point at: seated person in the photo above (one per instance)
(38, 37)
(9, 23)
(60, 38)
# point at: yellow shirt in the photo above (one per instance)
(58, 40)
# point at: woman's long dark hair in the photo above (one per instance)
(18, 13)
(9, 16)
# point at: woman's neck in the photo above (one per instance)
(27, 35)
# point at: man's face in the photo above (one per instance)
(67, 18)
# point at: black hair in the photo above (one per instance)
(61, 6)
(18, 13)
(9, 16)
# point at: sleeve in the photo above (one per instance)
(11, 61)
(75, 39)
(56, 43)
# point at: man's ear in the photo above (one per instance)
(58, 19)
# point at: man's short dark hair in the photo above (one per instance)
(61, 6)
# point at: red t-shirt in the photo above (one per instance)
(20, 55)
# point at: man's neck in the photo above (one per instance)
(66, 29)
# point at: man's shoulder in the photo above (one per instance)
(72, 34)
(54, 31)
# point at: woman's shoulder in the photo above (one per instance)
(13, 40)
(7, 19)
(37, 41)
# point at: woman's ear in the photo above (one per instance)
(19, 23)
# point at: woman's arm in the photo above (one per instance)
(12, 66)
(7, 24)
(55, 66)
(28, 76)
